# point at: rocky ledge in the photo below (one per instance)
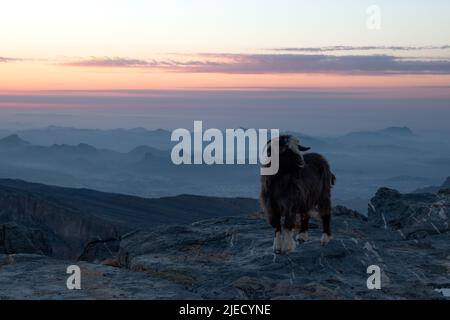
(407, 236)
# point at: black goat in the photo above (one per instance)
(301, 188)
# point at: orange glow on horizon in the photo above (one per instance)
(33, 76)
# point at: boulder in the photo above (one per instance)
(341, 211)
(101, 251)
(15, 238)
(414, 215)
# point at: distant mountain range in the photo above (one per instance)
(125, 140)
(435, 189)
(137, 162)
(121, 140)
(144, 171)
(73, 217)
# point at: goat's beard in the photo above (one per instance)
(301, 163)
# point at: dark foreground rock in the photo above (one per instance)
(73, 217)
(102, 251)
(413, 215)
(25, 276)
(15, 238)
(232, 258)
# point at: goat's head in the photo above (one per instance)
(289, 149)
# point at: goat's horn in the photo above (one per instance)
(302, 148)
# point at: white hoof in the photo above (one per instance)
(288, 243)
(277, 243)
(302, 237)
(325, 239)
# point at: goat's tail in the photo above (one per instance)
(328, 179)
(332, 180)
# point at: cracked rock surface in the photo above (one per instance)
(407, 236)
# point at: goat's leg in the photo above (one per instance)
(325, 215)
(304, 225)
(288, 242)
(326, 235)
(274, 219)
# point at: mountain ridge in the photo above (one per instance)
(89, 214)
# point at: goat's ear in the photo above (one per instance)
(302, 148)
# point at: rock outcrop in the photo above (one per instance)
(102, 251)
(232, 258)
(415, 215)
(19, 239)
(73, 217)
(28, 276)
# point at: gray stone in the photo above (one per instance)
(232, 258)
(413, 215)
(24, 276)
(15, 238)
(101, 251)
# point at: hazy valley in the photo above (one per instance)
(137, 162)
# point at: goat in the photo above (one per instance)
(301, 188)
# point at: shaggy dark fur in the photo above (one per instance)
(303, 183)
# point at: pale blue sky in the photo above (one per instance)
(142, 27)
(65, 44)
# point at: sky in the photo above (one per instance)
(53, 50)
(176, 44)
